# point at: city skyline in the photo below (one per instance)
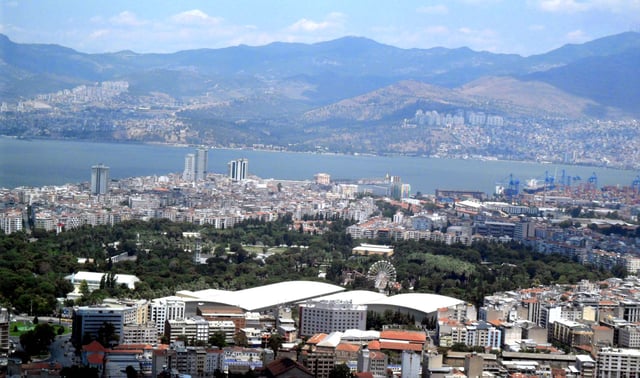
(532, 26)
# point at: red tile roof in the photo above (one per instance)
(95, 359)
(400, 346)
(414, 336)
(346, 347)
(318, 337)
(93, 346)
(374, 345)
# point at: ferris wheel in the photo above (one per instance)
(382, 273)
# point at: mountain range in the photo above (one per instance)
(349, 79)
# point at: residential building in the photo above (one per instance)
(11, 221)
(319, 364)
(629, 336)
(483, 334)
(139, 334)
(163, 309)
(189, 172)
(238, 169)
(202, 160)
(192, 329)
(99, 179)
(322, 178)
(615, 363)
(4, 331)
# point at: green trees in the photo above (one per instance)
(218, 339)
(33, 272)
(275, 342)
(340, 371)
(37, 341)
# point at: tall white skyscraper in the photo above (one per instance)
(189, 173)
(239, 169)
(99, 179)
(202, 157)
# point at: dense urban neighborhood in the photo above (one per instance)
(210, 274)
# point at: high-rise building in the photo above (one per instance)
(202, 159)
(238, 169)
(99, 179)
(189, 173)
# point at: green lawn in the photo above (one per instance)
(18, 328)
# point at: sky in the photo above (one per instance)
(524, 27)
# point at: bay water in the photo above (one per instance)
(43, 162)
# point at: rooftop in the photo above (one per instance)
(263, 297)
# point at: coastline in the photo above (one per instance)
(62, 161)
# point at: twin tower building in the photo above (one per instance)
(195, 167)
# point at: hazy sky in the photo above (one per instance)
(507, 26)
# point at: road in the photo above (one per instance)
(62, 351)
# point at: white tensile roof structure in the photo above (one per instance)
(262, 297)
(357, 297)
(419, 302)
(288, 292)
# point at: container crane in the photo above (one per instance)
(635, 185)
(593, 180)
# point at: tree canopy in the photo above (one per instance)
(33, 271)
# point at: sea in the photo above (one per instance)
(41, 162)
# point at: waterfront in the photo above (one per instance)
(52, 162)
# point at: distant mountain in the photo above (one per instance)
(602, 47)
(602, 72)
(610, 81)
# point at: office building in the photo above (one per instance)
(189, 173)
(202, 159)
(99, 179)
(87, 320)
(238, 169)
(331, 316)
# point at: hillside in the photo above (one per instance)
(494, 94)
(328, 71)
